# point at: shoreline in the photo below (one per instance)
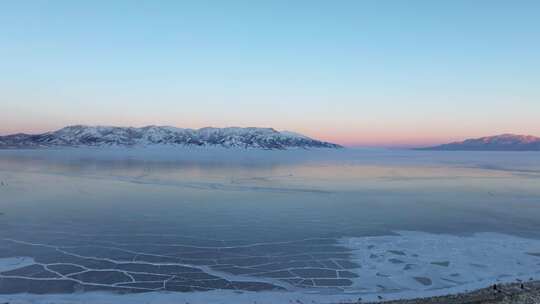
(526, 292)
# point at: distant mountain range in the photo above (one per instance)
(505, 142)
(102, 136)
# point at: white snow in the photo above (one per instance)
(423, 261)
(103, 136)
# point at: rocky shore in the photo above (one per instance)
(513, 293)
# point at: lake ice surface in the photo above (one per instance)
(218, 226)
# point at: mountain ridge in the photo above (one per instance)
(502, 142)
(103, 136)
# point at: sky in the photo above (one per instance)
(358, 73)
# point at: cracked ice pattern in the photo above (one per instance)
(139, 263)
(146, 262)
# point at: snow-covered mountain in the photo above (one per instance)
(504, 142)
(98, 136)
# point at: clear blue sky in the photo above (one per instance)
(355, 72)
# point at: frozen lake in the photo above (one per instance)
(245, 225)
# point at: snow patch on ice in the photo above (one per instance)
(437, 261)
(7, 264)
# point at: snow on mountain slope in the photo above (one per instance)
(96, 136)
(504, 142)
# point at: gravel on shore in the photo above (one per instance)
(512, 293)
